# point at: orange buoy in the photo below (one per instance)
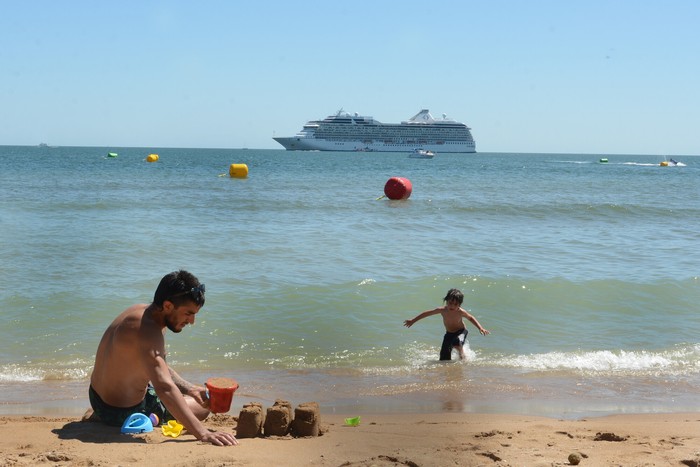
(398, 188)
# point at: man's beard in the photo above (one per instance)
(170, 325)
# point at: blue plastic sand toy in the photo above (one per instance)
(137, 423)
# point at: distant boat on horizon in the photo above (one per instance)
(353, 132)
(671, 163)
(421, 153)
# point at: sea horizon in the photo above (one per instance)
(156, 148)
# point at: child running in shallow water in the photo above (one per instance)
(452, 317)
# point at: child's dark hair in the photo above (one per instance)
(454, 295)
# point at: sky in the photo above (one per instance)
(538, 76)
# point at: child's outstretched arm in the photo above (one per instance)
(410, 322)
(474, 321)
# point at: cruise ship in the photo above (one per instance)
(352, 132)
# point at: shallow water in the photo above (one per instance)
(585, 273)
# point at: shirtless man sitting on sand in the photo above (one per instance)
(131, 374)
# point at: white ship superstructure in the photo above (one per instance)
(352, 132)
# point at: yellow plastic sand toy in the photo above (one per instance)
(172, 428)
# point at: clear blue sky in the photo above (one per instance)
(593, 76)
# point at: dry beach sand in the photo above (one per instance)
(379, 440)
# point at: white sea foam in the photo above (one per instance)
(681, 360)
(27, 373)
(17, 373)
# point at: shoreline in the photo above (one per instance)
(571, 399)
(379, 439)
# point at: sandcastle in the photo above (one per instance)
(279, 420)
(306, 420)
(250, 421)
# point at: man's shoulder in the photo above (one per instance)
(131, 314)
(137, 308)
(132, 318)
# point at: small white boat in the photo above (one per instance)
(422, 154)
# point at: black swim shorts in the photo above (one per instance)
(451, 340)
(116, 416)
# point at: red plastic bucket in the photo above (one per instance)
(220, 393)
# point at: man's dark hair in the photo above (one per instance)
(179, 287)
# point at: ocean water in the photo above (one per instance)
(585, 273)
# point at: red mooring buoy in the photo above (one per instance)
(398, 188)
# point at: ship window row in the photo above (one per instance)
(387, 126)
(401, 140)
(347, 121)
(396, 128)
(370, 129)
(364, 134)
(407, 141)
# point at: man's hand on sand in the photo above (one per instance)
(218, 438)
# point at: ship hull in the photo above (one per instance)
(293, 143)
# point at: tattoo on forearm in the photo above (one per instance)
(182, 385)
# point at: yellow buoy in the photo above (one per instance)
(238, 171)
(152, 157)
(664, 164)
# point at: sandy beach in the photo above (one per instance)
(379, 440)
